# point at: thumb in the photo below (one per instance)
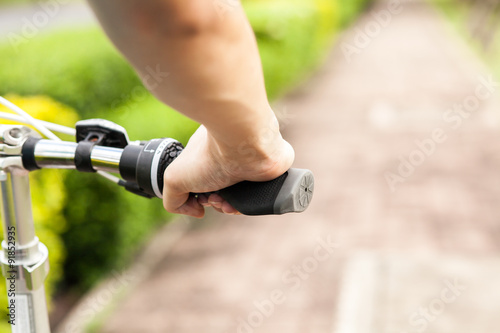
(177, 199)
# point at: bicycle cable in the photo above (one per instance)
(29, 119)
(43, 127)
(51, 126)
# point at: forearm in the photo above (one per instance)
(214, 70)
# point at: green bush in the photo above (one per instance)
(292, 38)
(350, 9)
(78, 68)
(294, 34)
(464, 17)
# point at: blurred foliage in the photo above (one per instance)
(93, 224)
(478, 22)
(17, 2)
(291, 39)
(294, 34)
(350, 9)
(48, 193)
(77, 68)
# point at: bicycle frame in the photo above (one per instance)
(24, 259)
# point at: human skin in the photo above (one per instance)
(214, 77)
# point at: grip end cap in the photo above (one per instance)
(296, 193)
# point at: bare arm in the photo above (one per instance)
(215, 77)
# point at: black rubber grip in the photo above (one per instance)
(251, 198)
(291, 192)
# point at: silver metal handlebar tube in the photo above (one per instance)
(61, 155)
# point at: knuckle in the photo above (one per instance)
(171, 184)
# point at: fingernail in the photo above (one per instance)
(216, 204)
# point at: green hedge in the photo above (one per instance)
(350, 9)
(78, 68)
(463, 16)
(292, 39)
(294, 34)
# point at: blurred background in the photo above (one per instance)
(379, 98)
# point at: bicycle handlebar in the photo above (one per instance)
(142, 167)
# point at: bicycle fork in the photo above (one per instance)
(24, 259)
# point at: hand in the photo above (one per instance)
(208, 165)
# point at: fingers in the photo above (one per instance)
(228, 209)
(184, 176)
(203, 200)
(218, 203)
(192, 206)
(178, 201)
(183, 204)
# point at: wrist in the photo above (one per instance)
(255, 127)
(261, 152)
(261, 136)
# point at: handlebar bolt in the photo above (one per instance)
(15, 133)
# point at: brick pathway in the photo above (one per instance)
(424, 258)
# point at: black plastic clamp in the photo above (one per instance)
(28, 152)
(83, 160)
